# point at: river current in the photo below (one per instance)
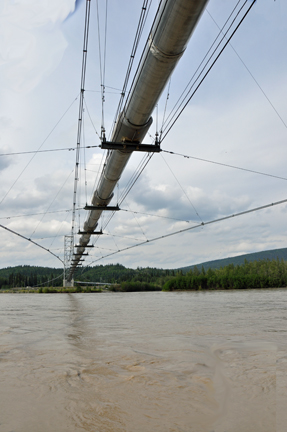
(144, 362)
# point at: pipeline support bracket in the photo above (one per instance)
(132, 146)
(91, 233)
(99, 207)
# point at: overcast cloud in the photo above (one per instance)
(238, 117)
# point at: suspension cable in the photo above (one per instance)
(182, 96)
(252, 76)
(189, 200)
(35, 152)
(59, 229)
(174, 120)
(102, 62)
(55, 197)
(103, 153)
(85, 164)
(127, 190)
(36, 214)
(154, 215)
(31, 241)
(224, 164)
(83, 76)
(135, 46)
(191, 228)
(165, 108)
(49, 280)
(142, 19)
(183, 105)
(46, 151)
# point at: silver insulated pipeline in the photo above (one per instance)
(175, 22)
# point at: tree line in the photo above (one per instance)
(29, 276)
(256, 274)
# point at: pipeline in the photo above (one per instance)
(168, 38)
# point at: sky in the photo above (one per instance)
(237, 117)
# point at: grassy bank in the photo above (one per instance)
(51, 290)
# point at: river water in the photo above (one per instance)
(144, 362)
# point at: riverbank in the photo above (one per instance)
(52, 290)
(118, 289)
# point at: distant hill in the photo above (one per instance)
(26, 275)
(22, 276)
(28, 270)
(238, 260)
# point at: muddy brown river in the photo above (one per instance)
(144, 362)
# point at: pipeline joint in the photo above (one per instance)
(160, 55)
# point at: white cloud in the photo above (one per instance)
(229, 121)
(31, 42)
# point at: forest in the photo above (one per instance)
(32, 276)
(256, 274)
(25, 276)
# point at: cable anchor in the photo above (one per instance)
(103, 134)
(157, 141)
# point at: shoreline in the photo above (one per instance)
(88, 290)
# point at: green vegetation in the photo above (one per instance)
(51, 290)
(28, 276)
(140, 279)
(257, 274)
(117, 273)
(135, 287)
